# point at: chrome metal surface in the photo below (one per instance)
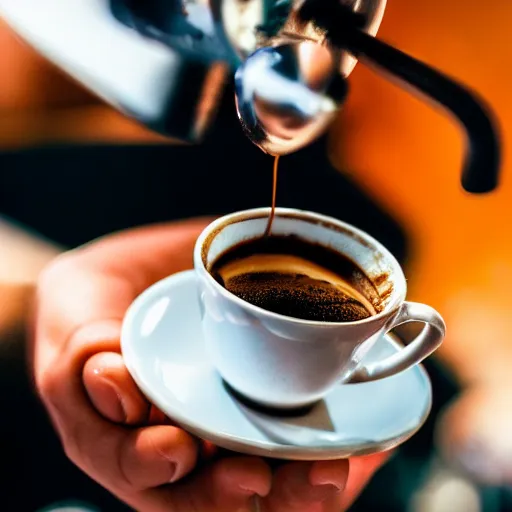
(287, 95)
(166, 63)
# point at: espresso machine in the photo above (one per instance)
(166, 63)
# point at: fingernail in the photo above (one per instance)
(329, 474)
(111, 400)
(256, 494)
(173, 472)
(331, 487)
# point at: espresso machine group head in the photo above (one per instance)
(166, 63)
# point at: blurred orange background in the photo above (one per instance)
(405, 154)
(409, 156)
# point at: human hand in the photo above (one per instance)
(107, 427)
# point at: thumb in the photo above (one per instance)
(112, 390)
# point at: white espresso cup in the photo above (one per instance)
(285, 362)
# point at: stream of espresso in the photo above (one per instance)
(274, 191)
(290, 276)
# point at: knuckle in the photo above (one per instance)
(53, 311)
(48, 385)
(56, 271)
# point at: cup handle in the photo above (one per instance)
(427, 341)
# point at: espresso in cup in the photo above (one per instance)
(292, 277)
(288, 315)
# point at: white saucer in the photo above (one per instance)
(163, 349)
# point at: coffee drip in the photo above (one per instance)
(272, 214)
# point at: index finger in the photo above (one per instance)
(98, 282)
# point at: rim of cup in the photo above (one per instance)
(205, 239)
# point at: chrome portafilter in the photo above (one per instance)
(287, 95)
